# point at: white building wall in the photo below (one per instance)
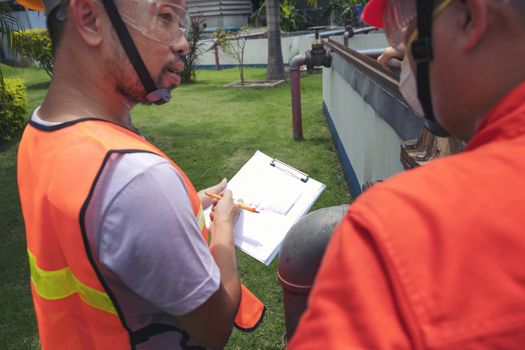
(256, 50)
(372, 146)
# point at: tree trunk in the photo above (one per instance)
(275, 55)
(242, 65)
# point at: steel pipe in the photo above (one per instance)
(317, 56)
(301, 254)
(373, 53)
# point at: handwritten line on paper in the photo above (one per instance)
(273, 192)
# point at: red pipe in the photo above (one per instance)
(295, 76)
(295, 82)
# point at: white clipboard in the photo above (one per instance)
(281, 194)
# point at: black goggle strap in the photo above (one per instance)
(422, 53)
(158, 96)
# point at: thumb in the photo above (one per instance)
(228, 195)
(220, 187)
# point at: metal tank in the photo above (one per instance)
(221, 14)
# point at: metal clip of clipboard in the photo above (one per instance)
(277, 164)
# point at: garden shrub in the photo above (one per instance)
(196, 30)
(14, 109)
(35, 44)
(291, 19)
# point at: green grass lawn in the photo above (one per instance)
(210, 132)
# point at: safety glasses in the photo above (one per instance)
(161, 20)
(400, 21)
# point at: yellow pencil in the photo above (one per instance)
(240, 205)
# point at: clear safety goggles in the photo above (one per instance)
(400, 21)
(161, 20)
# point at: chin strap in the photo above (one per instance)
(422, 53)
(157, 96)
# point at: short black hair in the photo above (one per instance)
(55, 26)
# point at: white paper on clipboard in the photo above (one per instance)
(281, 193)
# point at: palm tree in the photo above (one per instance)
(275, 55)
(8, 25)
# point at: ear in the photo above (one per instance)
(85, 15)
(475, 22)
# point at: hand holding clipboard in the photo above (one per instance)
(281, 193)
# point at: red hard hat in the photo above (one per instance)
(373, 13)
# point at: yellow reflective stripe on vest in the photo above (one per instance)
(201, 221)
(59, 284)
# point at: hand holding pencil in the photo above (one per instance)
(240, 205)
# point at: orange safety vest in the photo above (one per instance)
(58, 168)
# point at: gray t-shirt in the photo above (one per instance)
(148, 246)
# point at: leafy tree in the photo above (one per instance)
(233, 44)
(290, 19)
(345, 10)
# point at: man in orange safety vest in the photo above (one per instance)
(116, 237)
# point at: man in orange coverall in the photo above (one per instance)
(435, 257)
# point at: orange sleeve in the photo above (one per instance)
(351, 305)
